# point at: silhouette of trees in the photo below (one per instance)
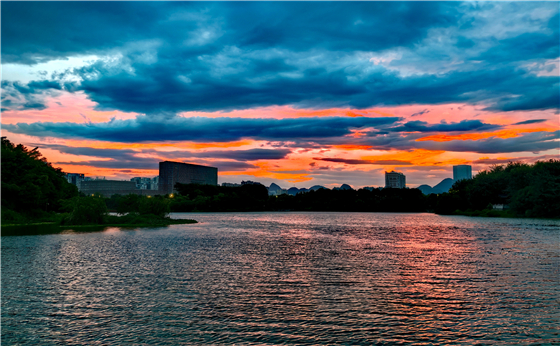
(193, 197)
(528, 190)
(31, 187)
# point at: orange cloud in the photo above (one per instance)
(477, 136)
(417, 157)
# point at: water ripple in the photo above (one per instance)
(287, 278)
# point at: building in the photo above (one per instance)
(461, 172)
(107, 188)
(144, 183)
(155, 183)
(396, 180)
(171, 173)
(75, 178)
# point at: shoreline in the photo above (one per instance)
(131, 225)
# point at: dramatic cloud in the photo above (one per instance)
(146, 129)
(282, 91)
(173, 57)
(127, 154)
(204, 27)
(465, 125)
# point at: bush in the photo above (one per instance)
(154, 206)
(84, 211)
(11, 217)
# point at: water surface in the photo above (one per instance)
(287, 278)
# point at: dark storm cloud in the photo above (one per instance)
(293, 133)
(357, 26)
(465, 125)
(131, 155)
(144, 129)
(125, 158)
(206, 56)
(141, 163)
(527, 46)
(119, 154)
(238, 155)
(532, 121)
(161, 86)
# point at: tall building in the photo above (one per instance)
(461, 172)
(396, 180)
(171, 173)
(75, 178)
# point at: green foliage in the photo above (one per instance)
(157, 206)
(196, 197)
(136, 204)
(30, 185)
(528, 190)
(128, 204)
(12, 217)
(89, 210)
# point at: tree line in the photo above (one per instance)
(34, 191)
(526, 190)
(254, 197)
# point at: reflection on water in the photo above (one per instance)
(287, 278)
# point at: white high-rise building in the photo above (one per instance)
(396, 180)
(461, 172)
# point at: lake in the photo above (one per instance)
(287, 278)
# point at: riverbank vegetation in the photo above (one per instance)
(523, 190)
(34, 192)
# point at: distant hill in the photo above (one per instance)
(292, 191)
(274, 187)
(426, 189)
(442, 187)
(316, 187)
(343, 187)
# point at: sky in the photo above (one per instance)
(292, 93)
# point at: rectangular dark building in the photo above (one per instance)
(171, 173)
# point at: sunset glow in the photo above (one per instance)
(309, 103)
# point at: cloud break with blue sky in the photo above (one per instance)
(297, 93)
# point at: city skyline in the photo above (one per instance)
(297, 94)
